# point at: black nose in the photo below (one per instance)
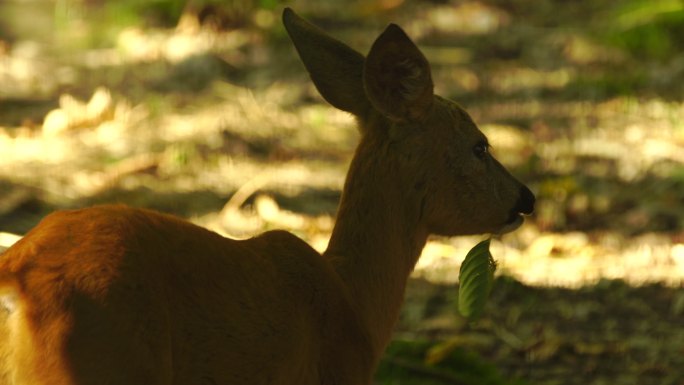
(526, 200)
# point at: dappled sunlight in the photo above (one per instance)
(252, 142)
(135, 45)
(86, 148)
(22, 75)
(514, 80)
(210, 116)
(582, 50)
(570, 260)
(467, 17)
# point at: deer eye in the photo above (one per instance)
(481, 150)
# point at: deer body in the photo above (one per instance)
(129, 296)
(115, 295)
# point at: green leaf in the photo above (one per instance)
(476, 278)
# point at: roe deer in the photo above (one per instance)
(115, 295)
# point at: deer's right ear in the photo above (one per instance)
(397, 77)
(335, 69)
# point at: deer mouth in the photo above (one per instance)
(513, 223)
(524, 206)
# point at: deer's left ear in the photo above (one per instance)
(335, 68)
(397, 77)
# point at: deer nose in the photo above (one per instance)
(525, 204)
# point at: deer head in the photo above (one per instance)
(430, 143)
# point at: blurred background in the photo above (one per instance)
(201, 108)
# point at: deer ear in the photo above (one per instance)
(335, 69)
(397, 77)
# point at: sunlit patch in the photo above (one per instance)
(7, 240)
(511, 80)
(618, 158)
(469, 17)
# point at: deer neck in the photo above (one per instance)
(377, 238)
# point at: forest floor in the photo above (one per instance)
(214, 119)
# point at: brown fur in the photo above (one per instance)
(116, 295)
